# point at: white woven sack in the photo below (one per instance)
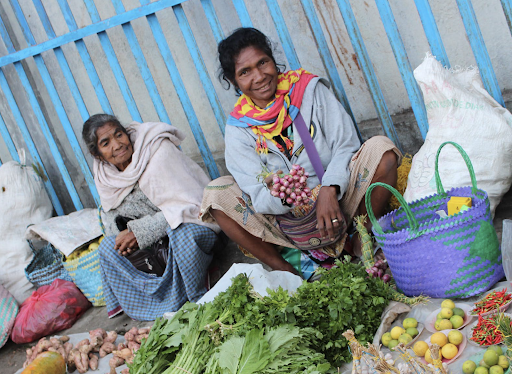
(8, 312)
(459, 109)
(23, 201)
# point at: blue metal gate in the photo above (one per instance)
(26, 68)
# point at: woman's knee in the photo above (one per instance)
(388, 163)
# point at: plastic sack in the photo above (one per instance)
(8, 312)
(506, 248)
(459, 109)
(69, 232)
(51, 308)
(24, 201)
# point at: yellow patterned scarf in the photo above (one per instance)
(269, 123)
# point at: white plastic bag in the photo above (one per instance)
(459, 109)
(260, 279)
(506, 248)
(23, 201)
(67, 233)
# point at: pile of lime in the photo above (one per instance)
(493, 362)
(450, 317)
(401, 334)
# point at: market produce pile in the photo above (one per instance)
(242, 332)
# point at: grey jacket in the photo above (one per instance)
(333, 134)
(148, 222)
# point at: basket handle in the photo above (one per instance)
(413, 223)
(440, 188)
(100, 221)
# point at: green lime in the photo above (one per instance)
(491, 357)
(413, 331)
(497, 349)
(496, 369)
(481, 370)
(503, 362)
(386, 338)
(458, 312)
(483, 364)
(392, 344)
(405, 338)
(468, 367)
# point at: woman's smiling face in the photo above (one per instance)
(114, 146)
(256, 75)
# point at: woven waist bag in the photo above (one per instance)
(86, 274)
(453, 257)
(304, 234)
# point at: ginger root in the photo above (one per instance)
(134, 346)
(106, 348)
(115, 362)
(139, 338)
(111, 337)
(126, 354)
(93, 361)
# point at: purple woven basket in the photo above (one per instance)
(453, 257)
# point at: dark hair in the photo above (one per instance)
(92, 125)
(230, 48)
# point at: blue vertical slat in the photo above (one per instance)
(327, 60)
(59, 108)
(66, 71)
(200, 67)
(20, 122)
(211, 16)
(479, 50)
(143, 66)
(284, 35)
(114, 63)
(507, 9)
(37, 109)
(183, 96)
(6, 136)
(404, 66)
(86, 58)
(242, 12)
(367, 69)
(431, 31)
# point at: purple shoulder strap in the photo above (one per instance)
(310, 146)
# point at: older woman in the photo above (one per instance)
(262, 131)
(144, 179)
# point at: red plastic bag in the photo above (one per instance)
(49, 309)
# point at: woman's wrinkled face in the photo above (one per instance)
(114, 146)
(256, 75)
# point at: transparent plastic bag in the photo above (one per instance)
(506, 248)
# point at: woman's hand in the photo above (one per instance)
(269, 180)
(328, 213)
(126, 243)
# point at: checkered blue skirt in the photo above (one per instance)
(145, 297)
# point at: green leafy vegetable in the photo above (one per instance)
(242, 332)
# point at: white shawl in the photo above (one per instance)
(170, 179)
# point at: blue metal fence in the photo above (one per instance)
(13, 120)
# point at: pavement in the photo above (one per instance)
(13, 355)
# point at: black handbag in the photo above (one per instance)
(151, 260)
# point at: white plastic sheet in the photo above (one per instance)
(260, 279)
